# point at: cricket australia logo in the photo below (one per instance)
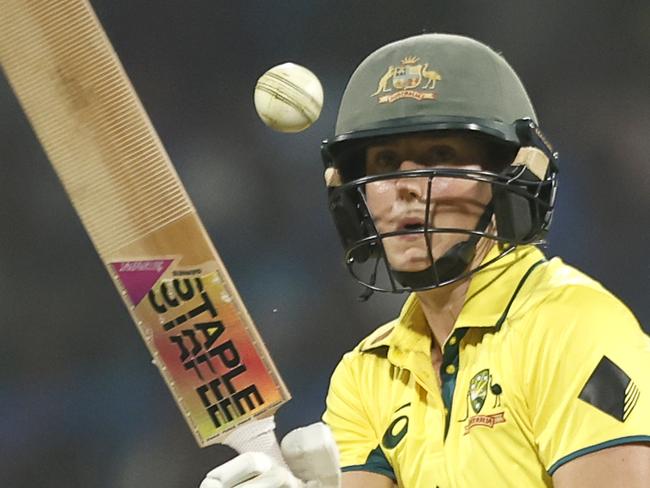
(408, 80)
(480, 388)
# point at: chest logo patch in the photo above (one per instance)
(396, 430)
(481, 388)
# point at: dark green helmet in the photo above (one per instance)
(439, 82)
(431, 82)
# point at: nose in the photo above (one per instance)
(408, 165)
(410, 187)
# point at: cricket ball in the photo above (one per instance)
(288, 97)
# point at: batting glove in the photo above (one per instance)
(311, 458)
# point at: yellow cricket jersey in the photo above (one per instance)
(543, 365)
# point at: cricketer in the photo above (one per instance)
(505, 367)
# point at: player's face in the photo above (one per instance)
(400, 203)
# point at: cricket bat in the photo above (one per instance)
(141, 221)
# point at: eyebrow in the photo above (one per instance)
(424, 146)
(390, 141)
(381, 145)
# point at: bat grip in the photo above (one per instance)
(256, 435)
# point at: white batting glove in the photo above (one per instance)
(311, 458)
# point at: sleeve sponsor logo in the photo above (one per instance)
(611, 390)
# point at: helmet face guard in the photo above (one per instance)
(519, 212)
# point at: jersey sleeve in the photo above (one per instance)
(358, 444)
(587, 376)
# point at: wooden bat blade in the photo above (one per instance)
(138, 215)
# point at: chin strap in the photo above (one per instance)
(451, 264)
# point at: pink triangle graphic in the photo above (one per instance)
(138, 277)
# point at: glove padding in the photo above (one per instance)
(312, 462)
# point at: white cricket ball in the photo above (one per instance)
(288, 97)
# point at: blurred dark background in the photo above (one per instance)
(80, 403)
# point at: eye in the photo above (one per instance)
(441, 154)
(383, 161)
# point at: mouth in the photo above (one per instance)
(413, 225)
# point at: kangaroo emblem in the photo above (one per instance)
(383, 82)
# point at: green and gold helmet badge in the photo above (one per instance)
(411, 79)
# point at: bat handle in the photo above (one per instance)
(256, 435)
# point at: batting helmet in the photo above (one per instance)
(439, 82)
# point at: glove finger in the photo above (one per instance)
(211, 483)
(240, 469)
(311, 454)
(275, 477)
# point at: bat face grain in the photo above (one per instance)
(138, 215)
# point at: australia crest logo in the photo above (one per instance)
(480, 388)
(411, 79)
